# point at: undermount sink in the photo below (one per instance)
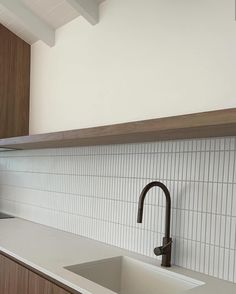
(124, 275)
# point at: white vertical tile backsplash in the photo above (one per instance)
(93, 191)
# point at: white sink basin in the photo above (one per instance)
(124, 275)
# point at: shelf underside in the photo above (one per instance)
(198, 125)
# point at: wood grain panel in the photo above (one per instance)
(14, 84)
(39, 285)
(198, 125)
(39, 276)
(13, 277)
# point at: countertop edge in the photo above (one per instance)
(17, 227)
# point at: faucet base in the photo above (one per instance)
(166, 257)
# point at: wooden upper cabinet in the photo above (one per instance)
(13, 277)
(14, 84)
(39, 285)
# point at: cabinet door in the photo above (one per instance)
(39, 285)
(13, 277)
(14, 85)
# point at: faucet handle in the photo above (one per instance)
(161, 250)
(158, 251)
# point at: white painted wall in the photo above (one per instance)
(145, 59)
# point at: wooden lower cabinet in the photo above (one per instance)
(13, 277)
(16, 279)
(39, 285)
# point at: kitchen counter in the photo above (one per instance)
(49, 250)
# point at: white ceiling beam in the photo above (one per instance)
(89, 9)
(31, 21)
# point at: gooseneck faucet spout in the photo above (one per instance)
(164, 250)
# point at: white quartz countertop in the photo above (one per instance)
(49, 251)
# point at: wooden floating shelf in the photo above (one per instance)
(198, 125)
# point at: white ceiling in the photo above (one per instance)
(9, 20)
(54, 13)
